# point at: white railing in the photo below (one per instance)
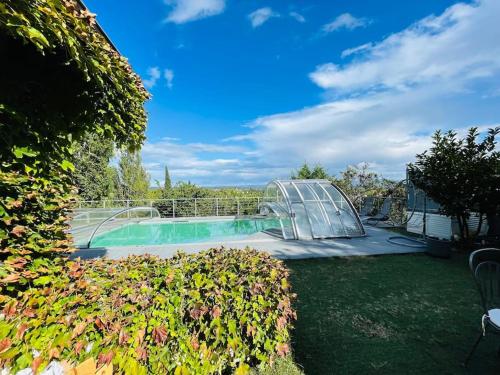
(180, 207)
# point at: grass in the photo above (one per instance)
(390, 314)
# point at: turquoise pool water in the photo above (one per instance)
(173, 232)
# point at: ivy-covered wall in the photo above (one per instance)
(60, 78)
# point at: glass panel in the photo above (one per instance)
(320, 192)
(285, 221)
(292, 192)
(320, 226)
(350, 223)
(334, 216)
(271, 193)
(306, 192)
(287, 227)
(301, 221)
(339, 200)
(347, 215)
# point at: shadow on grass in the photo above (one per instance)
(389, 314)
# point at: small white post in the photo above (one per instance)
(216, 206)
(173, 207)
(195, 208)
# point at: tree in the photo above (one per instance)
(93, 175)
(359, 181)
(305, 173)
(461, 175)
(168, 182)
(132, 180)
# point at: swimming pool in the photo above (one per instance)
(174, 232)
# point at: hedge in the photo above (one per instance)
(218, 311)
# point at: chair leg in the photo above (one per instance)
(466, 362)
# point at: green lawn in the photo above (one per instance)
(391, 314)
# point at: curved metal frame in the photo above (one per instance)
(321, 204)
(152, 209)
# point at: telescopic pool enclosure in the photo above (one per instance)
(311, 209)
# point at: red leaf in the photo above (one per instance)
(29, 312)
(78, 330)
(99, 323)
(216, 312)
(18, 231)
(17, 262)
(282, 349)
(140, 336)
(160, 335)
(170, 277)
(54, 353)
(20, 331)
(281, 323)
(194, 342)
(36, 363)
(10, 309)
(122, 337)
(142, 353)
(12, 278)
(105, 359)
(5, 344)
(79, 346)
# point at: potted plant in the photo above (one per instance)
(462, 176)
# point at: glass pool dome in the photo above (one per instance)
(311, 209)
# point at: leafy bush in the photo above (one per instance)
(217, 311)
(461, 175)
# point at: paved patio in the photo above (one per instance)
(375, 243)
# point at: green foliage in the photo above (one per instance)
(356, 181)
(168, 182)
(282, 366)
(305, 173)
(359, 181)
(218, 311)
(32, 227)
(132, 180)
(461, 175)
(62, 78)
(93, 175)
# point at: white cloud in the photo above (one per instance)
(430, 76)
(458, 45)
(204, 163)
(153, 76)
(260, 16)
(298, 17)
(355, 50)
(345, 21)
(190, 10)
(382, 108)
(169, 77)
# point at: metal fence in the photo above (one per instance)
(181, 207)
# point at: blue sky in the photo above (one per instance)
(245, 91)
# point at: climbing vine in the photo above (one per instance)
(60, 77)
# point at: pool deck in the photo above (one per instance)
(374, 243)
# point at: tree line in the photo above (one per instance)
(97, 179)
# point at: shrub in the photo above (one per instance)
(216, 311)
(461, 175)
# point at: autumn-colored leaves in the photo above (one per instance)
(222, 310)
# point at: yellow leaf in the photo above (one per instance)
(243, 369)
